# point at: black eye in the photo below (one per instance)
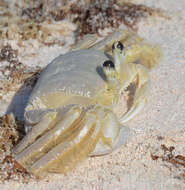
(120, 46)
(109, 64)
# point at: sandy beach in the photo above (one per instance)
(161, 122)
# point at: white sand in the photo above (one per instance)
(131, 167)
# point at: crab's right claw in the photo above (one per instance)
(124, 135)
(129, 73)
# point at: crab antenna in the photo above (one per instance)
(118, 51)
(110, 73)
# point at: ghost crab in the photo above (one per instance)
(75, 107)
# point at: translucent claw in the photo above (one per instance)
(136, 108)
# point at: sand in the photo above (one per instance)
(162, 121)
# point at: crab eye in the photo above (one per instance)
(118, 45)
(109, 64)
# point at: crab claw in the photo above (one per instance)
(141, 91)
(129, 73)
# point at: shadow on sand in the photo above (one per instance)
(20, 99)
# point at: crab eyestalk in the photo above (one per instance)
(111, 69)
(110, 73)
(118, 52)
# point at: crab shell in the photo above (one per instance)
(74, 114)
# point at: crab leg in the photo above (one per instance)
(106, 43)
(36, 131)
(70, 151)
(86, 42)
(62, 130)
(47, 122)
(100, 134)
(75, 137)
